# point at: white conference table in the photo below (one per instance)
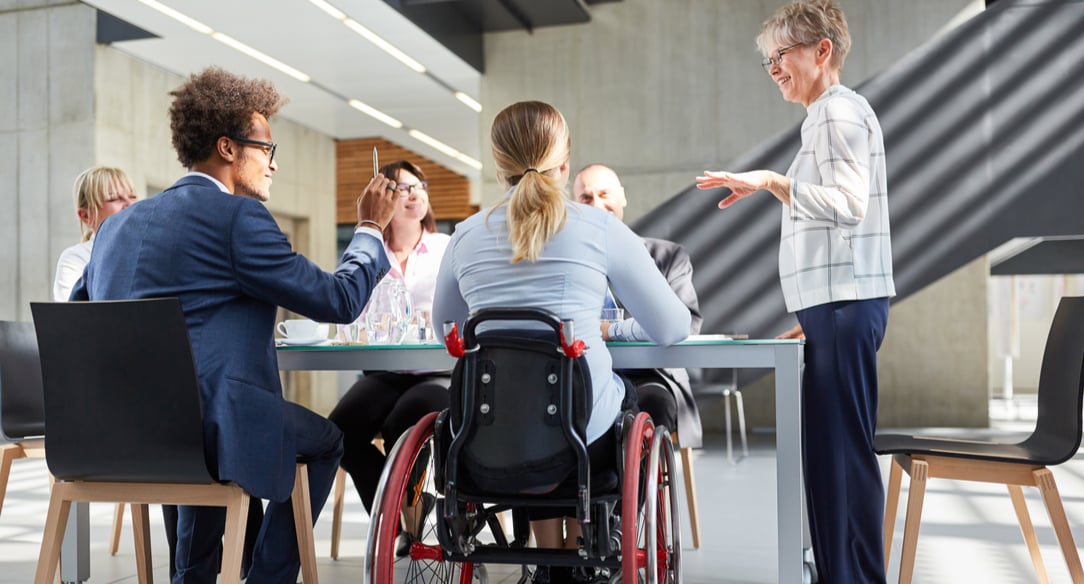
(785, 357)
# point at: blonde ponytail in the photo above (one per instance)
(530, 144)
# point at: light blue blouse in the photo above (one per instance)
(593, 250)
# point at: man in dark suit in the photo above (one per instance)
(665, 394)
(210, 241)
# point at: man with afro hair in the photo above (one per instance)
(209, 241)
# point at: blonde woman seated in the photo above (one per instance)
(538, 249)
(99, 192)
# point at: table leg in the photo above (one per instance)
(75, 551)
(788, 460)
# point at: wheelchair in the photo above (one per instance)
(512, 440)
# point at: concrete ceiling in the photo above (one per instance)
(342, 65)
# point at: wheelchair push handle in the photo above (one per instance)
(452, 341)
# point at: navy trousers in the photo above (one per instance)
(844, 493)
(275, 559)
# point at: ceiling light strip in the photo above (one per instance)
(260, 56)
(469, 101)
(300, 76)
(182, 18)
(393, 51)
(446, 149)
(331, 10)
(384, 45)
(375, 113)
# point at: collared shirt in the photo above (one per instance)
(835, 242)
(421, 268)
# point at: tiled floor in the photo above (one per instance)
(969, 531)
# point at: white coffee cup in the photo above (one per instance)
(302, 328)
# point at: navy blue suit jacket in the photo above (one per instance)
(230, 265)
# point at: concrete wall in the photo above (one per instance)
(664, 90)
(46, 139)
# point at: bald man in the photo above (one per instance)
(665, 394)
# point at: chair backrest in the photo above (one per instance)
(22, 414)
(519, 405)
(121, 394)
(1061, 387)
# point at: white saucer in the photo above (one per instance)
(297, 342)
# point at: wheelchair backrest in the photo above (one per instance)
(519, 406)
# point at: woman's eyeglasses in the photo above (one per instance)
(770, 62)
(404, 189)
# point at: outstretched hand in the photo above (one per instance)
(741, 184)
(377, 202)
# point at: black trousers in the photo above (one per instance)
(388, 404)
(654, 396)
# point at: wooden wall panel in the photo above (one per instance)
(449, 192)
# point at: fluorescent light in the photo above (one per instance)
(334, 12)
(469, 161)
(262, 57)
(372, 111)
(469, 101)
(190, 22)
(422, 137)
(383, 44)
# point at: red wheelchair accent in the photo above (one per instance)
(453, 342)
(575, 349)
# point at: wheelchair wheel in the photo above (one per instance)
(407, 495)
(650, 535)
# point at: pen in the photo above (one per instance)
(376, 163)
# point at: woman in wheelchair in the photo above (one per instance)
(537, 249)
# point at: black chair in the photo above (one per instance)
(22, 416)
(122, 405)
(22, 413)
(1056, 439)
(513, 439)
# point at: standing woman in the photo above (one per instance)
(99, 192)
(835, 267)
(390, 402)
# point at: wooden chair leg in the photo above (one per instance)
(234, 540)
(1049, 490)
(118, 522)
(915, 495)
(8, 453)
(337, 511)
(892, 503)
(141, 533)
(1028, 531)
(303, 524)
(55, 522)
(690, 491)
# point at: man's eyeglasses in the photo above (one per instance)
(404, 189)
(769, 62)
(267, 147)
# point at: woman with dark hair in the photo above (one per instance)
(538, 249)
(835, 267)
(389, 402)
